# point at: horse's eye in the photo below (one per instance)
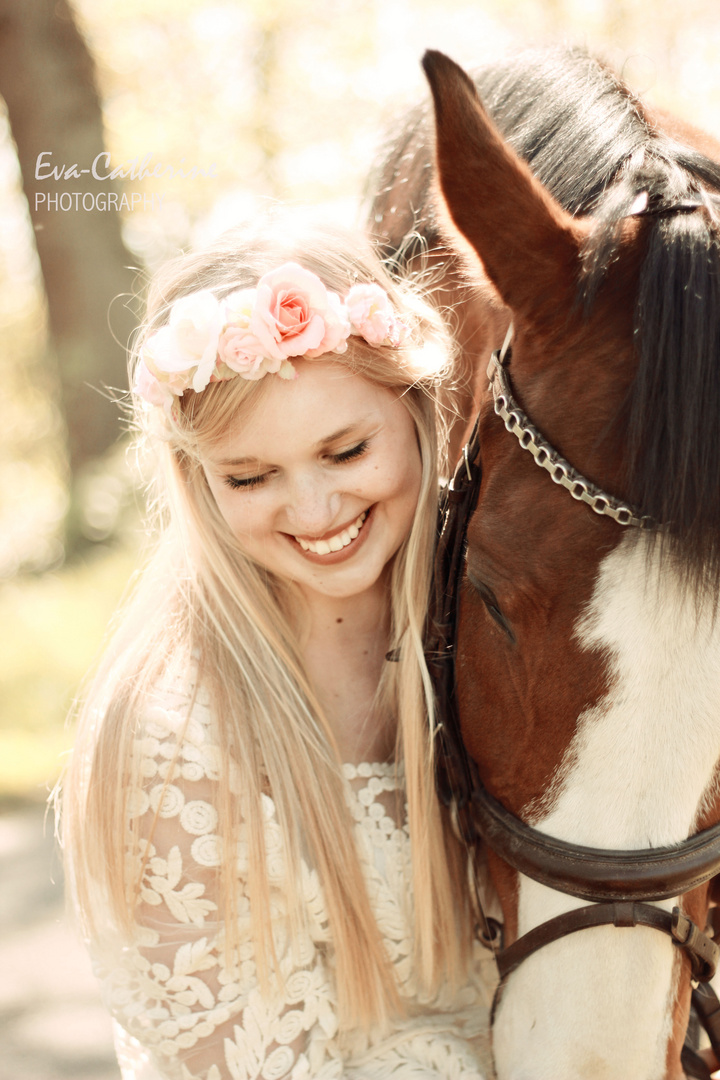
(493, 608)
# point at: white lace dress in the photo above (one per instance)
(182, 1012)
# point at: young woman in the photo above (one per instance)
(263, 871)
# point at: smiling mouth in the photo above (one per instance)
(334, 543)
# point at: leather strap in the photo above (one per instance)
(693, 1065)
(702, 950)
(707, 1006)
(595, 873)
(706, 1010)
(456, 773)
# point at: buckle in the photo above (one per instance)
(466, 459)
(704, 954)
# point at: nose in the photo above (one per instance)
(313, 504)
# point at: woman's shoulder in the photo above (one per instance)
(176, 719)
(177, 692)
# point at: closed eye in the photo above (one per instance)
(491, 603)
(349, 455)
(245, 482)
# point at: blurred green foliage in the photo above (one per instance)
(51, 627)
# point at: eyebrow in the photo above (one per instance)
(340, 434)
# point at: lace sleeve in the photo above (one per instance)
(187, 1007)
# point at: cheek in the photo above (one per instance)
(226, 504)
(241, 517)
(487, 701)
(392, 478)
(407, 472)
(406, 491)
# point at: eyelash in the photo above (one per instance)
(351, 454)
(236, 482)
(247, 482)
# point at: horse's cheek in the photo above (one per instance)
(484, 688)
(476, 678)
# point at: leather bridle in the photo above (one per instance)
(617, 883)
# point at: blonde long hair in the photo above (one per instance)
(199, 593)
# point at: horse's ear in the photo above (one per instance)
(528, 244)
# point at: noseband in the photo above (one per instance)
(616, 882)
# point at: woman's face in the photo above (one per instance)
(320, 481)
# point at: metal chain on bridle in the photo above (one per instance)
(617, 883)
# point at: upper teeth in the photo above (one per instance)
(334, 543)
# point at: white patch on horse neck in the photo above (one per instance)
(598, 1005)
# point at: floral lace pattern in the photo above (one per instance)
(187, 1008)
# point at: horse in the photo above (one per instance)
(586, 659)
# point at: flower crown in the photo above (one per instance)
(253, 332)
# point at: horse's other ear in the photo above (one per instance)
(528, 244)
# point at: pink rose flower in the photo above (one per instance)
(337, 328)
(290, 308)
(372, 315)
(259, 368)
(240, 350)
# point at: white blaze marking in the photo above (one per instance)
(597, 1005)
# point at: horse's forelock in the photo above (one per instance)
(673, 452)
(674, 446)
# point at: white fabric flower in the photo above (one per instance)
(198, 817)
(207, 850)
(167, 801)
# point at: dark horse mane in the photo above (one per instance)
(590, 142)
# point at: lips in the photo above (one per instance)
(338, 546)
(336, 542)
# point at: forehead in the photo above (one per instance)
(324, 399)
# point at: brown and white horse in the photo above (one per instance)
(588, 654)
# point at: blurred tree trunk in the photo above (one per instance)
(47, 78)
